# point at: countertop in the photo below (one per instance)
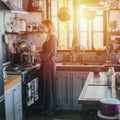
(11, 80)
(96, 88)
(87, 67)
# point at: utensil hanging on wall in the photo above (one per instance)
(64, 14)
(89, 14)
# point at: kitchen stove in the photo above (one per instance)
(20, 69)
(30, 83)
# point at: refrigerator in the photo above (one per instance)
(2, 97)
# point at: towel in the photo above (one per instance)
(36, 89)
(32, 92)
(28, 94)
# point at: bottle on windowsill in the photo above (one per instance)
(111, 77)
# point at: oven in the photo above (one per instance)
(30, 87)
(30, 83)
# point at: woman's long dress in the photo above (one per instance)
(47, 74)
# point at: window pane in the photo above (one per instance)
(98, 23)
(83, 24)
(62, 35)
(98, 40)
(88, 35)
(83, 39)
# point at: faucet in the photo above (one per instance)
(75, 50)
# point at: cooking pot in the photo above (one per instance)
(109, 106)
(37, 4)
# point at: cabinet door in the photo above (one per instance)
(78, 83)
(17, 96)
(13, 103)
(63, 89)
(9, 111)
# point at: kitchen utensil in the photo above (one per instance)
(64, 14)
(37, 4)
(109, 106)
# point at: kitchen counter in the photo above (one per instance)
(87, 67)
(96, 88)
(11, 81)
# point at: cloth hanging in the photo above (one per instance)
(32, 92)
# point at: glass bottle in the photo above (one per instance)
(111, 77)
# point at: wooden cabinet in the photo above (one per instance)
(13, 102)
(63, 89)
(79, 79)
(68, 87)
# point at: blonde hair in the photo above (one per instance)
(49, 24)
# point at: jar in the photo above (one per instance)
(22, 25)
(29, 27)
(9, 27)
(35, 27)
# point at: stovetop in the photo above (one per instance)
(19, 69)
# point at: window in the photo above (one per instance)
(64, 30)
(91, 32)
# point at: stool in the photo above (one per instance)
(103, 117)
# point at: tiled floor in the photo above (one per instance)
(59, 115)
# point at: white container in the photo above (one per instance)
(22, 25)
(29, 27)
(111, 77)
(9, 27)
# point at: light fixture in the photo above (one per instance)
(64, 14)
(89, 14)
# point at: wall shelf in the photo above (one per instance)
(115, 33)
(20, 33)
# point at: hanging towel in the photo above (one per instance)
(28, 94)
(32, 92)
(36, 89)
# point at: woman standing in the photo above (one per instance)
(48, 68)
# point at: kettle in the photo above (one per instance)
(37, 4)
